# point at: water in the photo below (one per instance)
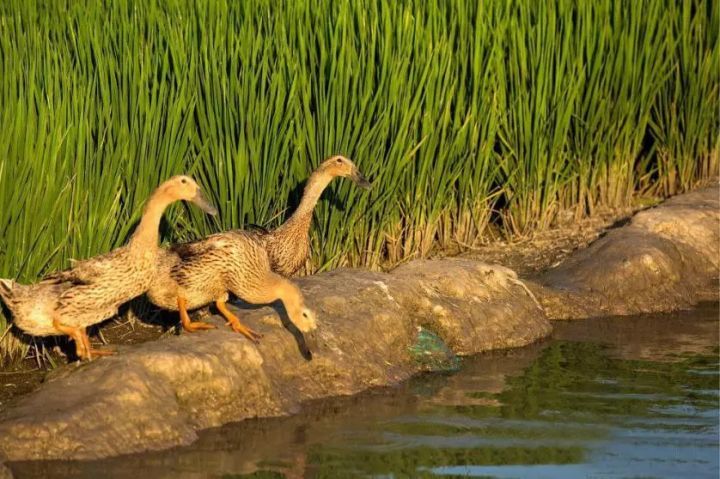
(605, 398)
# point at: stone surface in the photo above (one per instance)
(692, 220)
(156, 395)
(667, 258)
(5, 473)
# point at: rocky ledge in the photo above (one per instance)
(156, 395)
(371, 331)
(665, 258)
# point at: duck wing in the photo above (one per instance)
(195, 249)
(67, 276)
(256, 230)
(89, 270)
(200, 258)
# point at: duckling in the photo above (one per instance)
(193, 275)
(288, 245)
(250, 264)
(66, 302)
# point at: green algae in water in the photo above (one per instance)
(431, 352)
(408, 462)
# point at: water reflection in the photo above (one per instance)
(616, 397)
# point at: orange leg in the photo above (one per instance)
(188, 325)
(75, 334)
(235, 323)
(94, 352)
(82, 342)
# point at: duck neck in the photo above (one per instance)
(299, 222)
(147, 234)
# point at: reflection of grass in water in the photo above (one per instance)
(570, 379)
(581, 380)
(493, 431)
(579, 384)
(330, 462)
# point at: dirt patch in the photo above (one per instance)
(546, 249)
(19, 382)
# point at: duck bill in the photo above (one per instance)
(202, 203)
(360, 180)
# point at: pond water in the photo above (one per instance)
(603, 398)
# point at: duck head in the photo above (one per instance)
(340, 166)
(183, 187)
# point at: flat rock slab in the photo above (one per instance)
(666, 258)
(157, 395)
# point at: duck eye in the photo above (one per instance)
(339, 160)
(183, 181)
(304, 314)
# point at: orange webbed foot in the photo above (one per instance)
(236, 325)
(192, 327)
(188, 325)
(88, 352)
(83, 349)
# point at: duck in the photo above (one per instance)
(67, 302)
(252, 265)
(193, 275)
(288, 245)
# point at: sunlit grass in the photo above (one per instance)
(462, 112)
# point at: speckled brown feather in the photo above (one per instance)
(288, 245)
(207, 271)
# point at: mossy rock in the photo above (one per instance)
(431, 352)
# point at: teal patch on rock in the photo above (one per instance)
(431, 352)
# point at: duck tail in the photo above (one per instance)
(6, 292)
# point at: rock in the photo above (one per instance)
(693, 220)
(4, 471)
(451, 303)
(666, 259)
(157, 395)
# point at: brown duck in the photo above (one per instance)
(288, 245)
(249, 264)
(193, 275)
(65, 303)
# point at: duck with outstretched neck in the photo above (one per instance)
(66, 302)
(252, 265)
(288, 245)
